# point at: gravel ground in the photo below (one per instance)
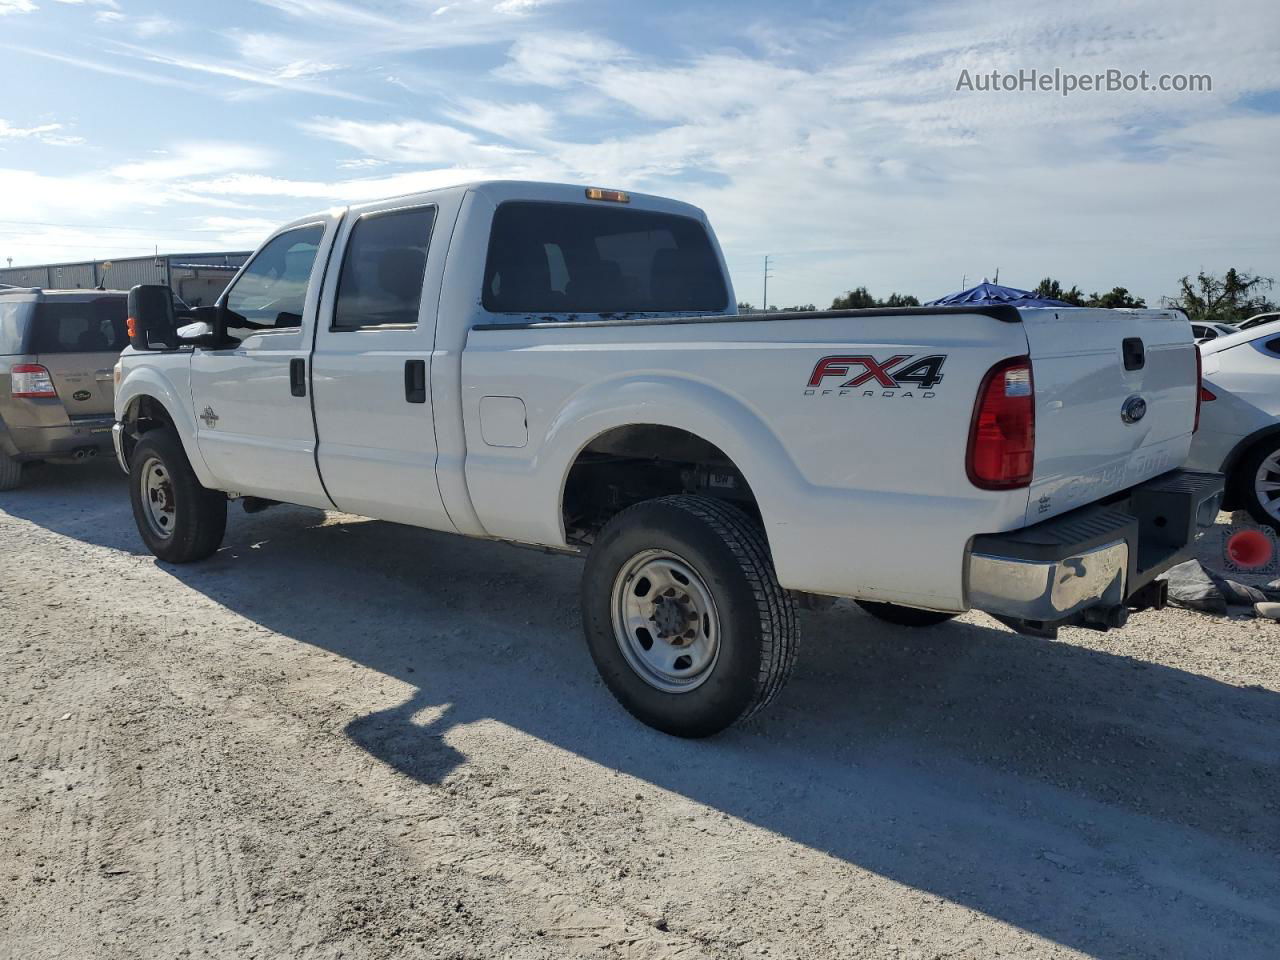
(343, 738)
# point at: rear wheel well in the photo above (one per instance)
(630, 464)
(143, 415)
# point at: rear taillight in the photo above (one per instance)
(1002, 439)
(30, 381)
(1200, 390)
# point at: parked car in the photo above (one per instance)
(563, 367)
(1239, 432)
(1258, 319)
(57, 348)
(1204, 332)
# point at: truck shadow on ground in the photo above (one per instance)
(1116, 806)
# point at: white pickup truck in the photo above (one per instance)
(563, 367)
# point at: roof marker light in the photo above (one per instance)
(615, 196)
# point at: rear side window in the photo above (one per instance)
(14, 315)
(86, 326)
(382, 270)
(579, 258)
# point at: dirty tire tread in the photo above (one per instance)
(10, 472)
(203, 513)
(775, 608)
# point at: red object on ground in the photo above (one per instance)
(1249, 549)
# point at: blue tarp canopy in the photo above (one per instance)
(985, 294)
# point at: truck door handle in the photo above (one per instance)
(298, 377)
(415, 381)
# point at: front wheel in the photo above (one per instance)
(684, 616)
(179, 520)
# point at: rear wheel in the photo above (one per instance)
(1257, 483)
(904, 616)
(10, 472)
(179, 520)
(684, 616)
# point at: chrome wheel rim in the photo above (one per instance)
(159, 508)
(665, 621)
(1266, 485)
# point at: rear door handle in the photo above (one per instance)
(298, 377)
(415, 381)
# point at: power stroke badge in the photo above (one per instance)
(861, 375)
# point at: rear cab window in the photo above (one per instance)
(63, 325)
(549, 258)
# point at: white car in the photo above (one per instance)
(1258, 319)
(1204, 332)
(1239, 433)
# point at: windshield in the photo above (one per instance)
(577, 258)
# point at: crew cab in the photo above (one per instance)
(563, 366)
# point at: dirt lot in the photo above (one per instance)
(341, 738)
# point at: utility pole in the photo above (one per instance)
(764, 304)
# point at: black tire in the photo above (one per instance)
(1242, 482)
(755, 621)
(199, 515)
(10, 472)
(904, 616)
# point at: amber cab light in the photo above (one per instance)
(1002, 437)
(614, 196)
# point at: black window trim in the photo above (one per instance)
(337, 286)
(595, 204)
(244, 268)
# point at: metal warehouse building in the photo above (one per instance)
(196, 277)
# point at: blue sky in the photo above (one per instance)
(829, 135)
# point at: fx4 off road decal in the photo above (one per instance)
(861, 375)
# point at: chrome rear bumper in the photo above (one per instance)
(1093, 559)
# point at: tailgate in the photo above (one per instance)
(78, 341)
(1115, 401)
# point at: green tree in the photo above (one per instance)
(1231, 298)
(1117, 297)
(861, 299)
(1051, 289)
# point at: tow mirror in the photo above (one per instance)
(151, 323)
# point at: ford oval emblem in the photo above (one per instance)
(1134, 409)
(81, 395)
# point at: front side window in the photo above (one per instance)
(386, 259)
(85, 326)
(270, 294)
(580, 258)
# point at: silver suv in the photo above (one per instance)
(57, 350)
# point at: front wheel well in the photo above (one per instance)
(143, 414)
(627, 465)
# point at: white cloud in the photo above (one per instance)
(518, 122)
(409, 141)
(187, 160)
(154, 26)
(558, 59)
(16, 6)
(44, 133)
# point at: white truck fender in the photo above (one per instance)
(686, 404)
(148, 382)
